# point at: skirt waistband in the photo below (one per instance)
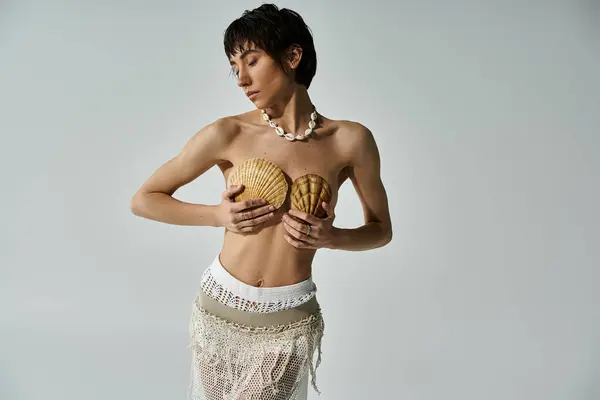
(258, 294)
(251, 319)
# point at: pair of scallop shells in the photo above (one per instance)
(263, 179)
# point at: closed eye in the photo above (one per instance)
(235, 73)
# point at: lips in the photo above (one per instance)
(251, 93)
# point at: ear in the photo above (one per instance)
(294, 55)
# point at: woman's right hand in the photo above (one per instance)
(244, 216)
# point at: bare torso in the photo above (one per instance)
(264, 258)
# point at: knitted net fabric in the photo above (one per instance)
(214, 289)
(232, 361)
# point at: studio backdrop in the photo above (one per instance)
(486, 119)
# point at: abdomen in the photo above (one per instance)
(265, 258)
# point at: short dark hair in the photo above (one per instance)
(273, 30)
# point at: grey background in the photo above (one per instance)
(486, 116)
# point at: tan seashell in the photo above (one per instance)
(308, 192)
(262, 179)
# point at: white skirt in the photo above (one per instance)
(252, 343)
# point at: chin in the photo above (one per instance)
(262, 101)
(259, 104)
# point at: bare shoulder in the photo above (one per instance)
(355, 141)
(217, 135)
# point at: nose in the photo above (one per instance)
(243, 78)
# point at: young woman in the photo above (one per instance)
(256, 322)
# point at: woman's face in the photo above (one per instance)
(260, 77)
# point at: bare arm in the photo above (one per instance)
(154, 198)
(365, 176)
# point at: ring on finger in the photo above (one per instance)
(309, 228)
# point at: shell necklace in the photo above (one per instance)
(290, 136)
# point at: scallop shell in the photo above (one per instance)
(308, 192)
(262, 179)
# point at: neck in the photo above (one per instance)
(292, 113)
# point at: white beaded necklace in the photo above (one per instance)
(290, 136)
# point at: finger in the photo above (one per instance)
(302, 236)
(253, 222)
(328, 209)
(249, 214)
(252, 211)
(267, 208)
(296, 243)
(232, 190)
(325, 206)
(298, 226)
(307, 218)
(248, 204)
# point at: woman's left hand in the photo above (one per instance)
(310, 232)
